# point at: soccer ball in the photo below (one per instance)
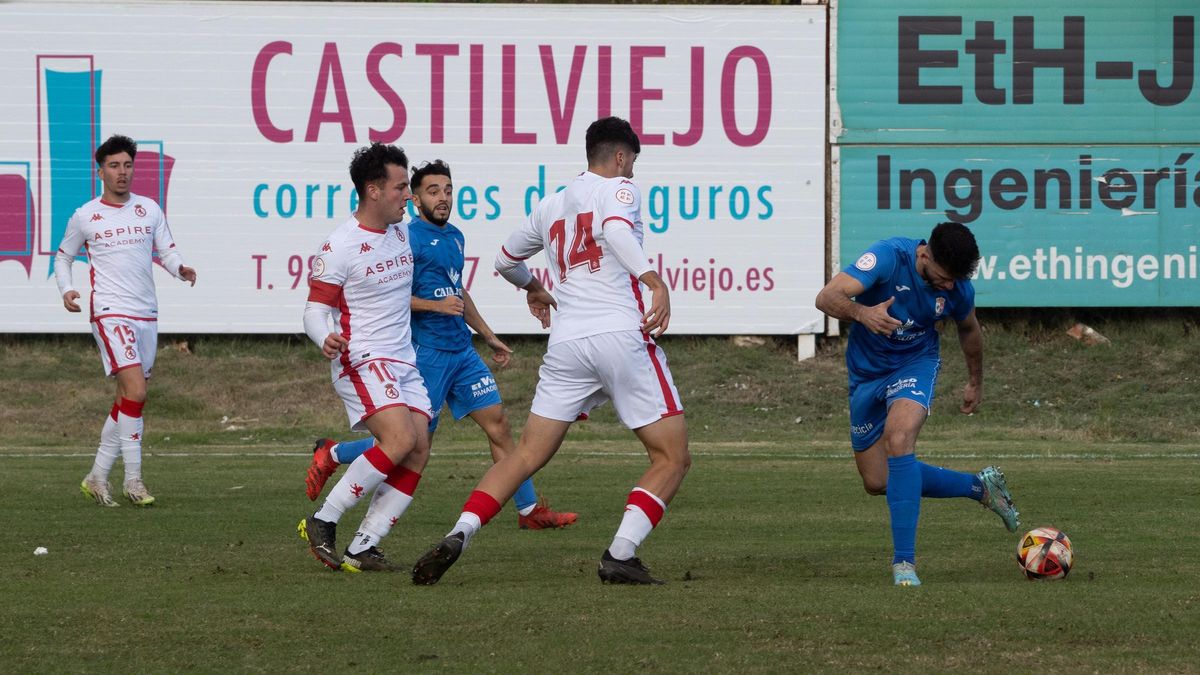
(1045, 553)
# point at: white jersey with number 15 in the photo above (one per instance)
(595, 293)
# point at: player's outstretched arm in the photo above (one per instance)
(837, 300)
(500, 351)
(970, 338)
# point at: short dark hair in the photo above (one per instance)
(435, 168)
(953, 248)
(115, 145)
(369, 164)
(605, 134)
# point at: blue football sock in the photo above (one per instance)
(939, 483)
(904, 503)
(525, 496)
(348, 451)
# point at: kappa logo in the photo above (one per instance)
(364, 248)
(139, 210)
(97, 216)
(326, 248)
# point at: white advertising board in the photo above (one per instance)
(247, 114)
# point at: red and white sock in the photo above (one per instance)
(110, 447)
(129, 431)
(391, 500)
(479, 509)
(361, 478)
(643, 510)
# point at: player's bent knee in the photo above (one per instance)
(874, 487)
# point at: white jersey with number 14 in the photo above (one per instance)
(595, 293)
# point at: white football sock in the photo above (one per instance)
(387, 506)
(361, 477)
(106, 453)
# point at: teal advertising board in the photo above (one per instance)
(1067, 136)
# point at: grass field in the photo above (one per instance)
(777, 561)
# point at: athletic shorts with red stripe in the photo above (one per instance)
(379, 384)
(126, 342)
(624, 367)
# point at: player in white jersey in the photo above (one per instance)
(120, 232)
(601, 348)
(362, 286)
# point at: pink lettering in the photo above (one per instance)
(639, 94)
(604, 82)
(562, 110)
(258, 92)
(696, 130)
(476, 94)
(386, 92)
(508, 100)
(331, 69)
(437, 87)
(728, 74)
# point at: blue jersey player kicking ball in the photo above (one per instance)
(453, 372)
(895, 293)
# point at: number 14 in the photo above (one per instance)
(584, 249)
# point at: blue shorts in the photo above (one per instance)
(870, 399)
(460, 379)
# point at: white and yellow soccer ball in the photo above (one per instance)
(1045, 553)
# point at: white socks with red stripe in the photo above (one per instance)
(129, 431)
(643, 510)
(389, 503)
(361, 478)
(110, 447)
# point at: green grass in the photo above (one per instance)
(777, 560)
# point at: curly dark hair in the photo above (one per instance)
(605, 135)
(954, 249)
(369, 164)
(435, 168)
(115, 145)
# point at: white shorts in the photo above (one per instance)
(379, 384)
(125, 343)
(625, 367)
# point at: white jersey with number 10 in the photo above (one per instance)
(595, 293)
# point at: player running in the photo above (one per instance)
(453, 372)
(601, 347)
(895, 293)
(361, 281)
(120, 231)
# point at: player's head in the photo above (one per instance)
(951, 255)
(612, 147)
(433, 191)
(380, 176)
(114, 164)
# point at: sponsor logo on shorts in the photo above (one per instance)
(861, 429)
(866, 262)
(485, 385)
(900, 385)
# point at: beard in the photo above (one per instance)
(431, 217)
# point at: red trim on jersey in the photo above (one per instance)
(379, 460)
(671, 414)
(324, 292)
(648, 505)
(623, 220)
(511, 256)
(87, 250)
(112, 358)
(372, 230)
(403, 479)
(482, 505)
(380, 409)
(652, 349)
(124, 316)
(115, 206)
(637, 293)
(425, 413)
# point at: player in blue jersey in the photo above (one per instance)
(895, 293)
(453, 371)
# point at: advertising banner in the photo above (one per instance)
(247, 114)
